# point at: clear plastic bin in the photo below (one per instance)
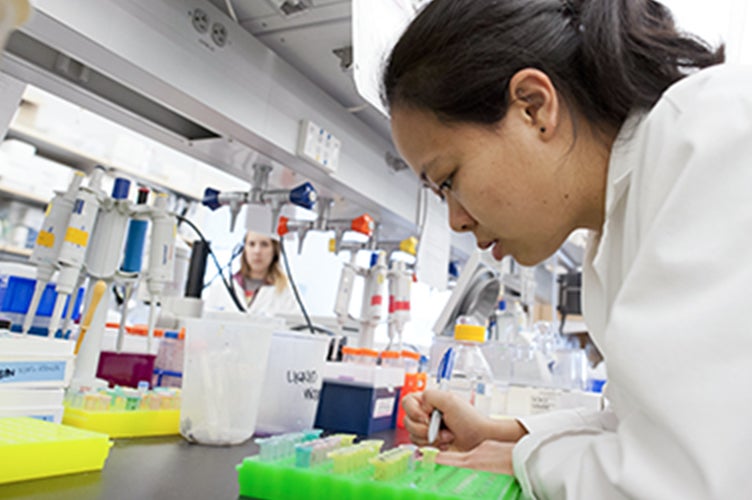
(292, 382)
(223, 378)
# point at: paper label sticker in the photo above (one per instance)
(77, 236)
(31, 371)
(46, 239)
(383, 407)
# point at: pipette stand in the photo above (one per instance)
(87, 359)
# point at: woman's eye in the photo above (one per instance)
(439, 190)
(446, 186)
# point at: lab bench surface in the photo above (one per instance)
(157, 468)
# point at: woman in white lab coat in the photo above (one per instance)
(533, 118)
(260, 283)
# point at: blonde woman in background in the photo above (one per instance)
(260, 284)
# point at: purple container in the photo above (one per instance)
(125, 368)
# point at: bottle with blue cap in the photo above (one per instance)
(499, 352)
(471, 377)
(505, 324)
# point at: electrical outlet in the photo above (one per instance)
(219, 34)
(292, 7)
(200, 21)
(318, 146)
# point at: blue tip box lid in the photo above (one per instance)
(16, 293)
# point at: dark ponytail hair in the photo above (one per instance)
(606, 57)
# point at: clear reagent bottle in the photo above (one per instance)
(471, 378)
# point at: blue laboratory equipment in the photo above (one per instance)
(304, 196)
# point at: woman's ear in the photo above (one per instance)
(534, 99)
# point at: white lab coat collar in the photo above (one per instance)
(620, 164)
(620, 167)
(605, 246)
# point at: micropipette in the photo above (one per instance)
(48, 243)
(373, 297)
(161, 257)
(73, 248)
(132, 259)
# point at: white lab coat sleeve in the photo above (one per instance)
(546, 427)
(553, 421)
(678, 341)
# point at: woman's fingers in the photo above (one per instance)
(492, 456)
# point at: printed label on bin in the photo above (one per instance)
(31, 371)
(383, 407)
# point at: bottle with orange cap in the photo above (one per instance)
(391, 359)
(471, 378)
(368, 357)
(350, 354)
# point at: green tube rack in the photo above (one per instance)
(281, 479)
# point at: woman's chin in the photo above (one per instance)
(530, 261)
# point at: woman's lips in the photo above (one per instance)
(497, 252)
(485, 244)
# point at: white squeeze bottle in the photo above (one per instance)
(471, 377)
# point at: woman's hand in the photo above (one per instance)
(492, 456)
(463, 428)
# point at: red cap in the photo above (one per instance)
(282, 226)
(363, 224)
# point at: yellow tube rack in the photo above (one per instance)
(123, 424)
(32, 449)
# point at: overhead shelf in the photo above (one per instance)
(31, 198)
(53, 149)
(26, 252)
(14, 254)
(58, 151)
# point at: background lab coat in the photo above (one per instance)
(268, 301)
(668, 300)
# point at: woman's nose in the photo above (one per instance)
(459, 219)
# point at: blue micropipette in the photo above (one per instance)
(444, 373)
